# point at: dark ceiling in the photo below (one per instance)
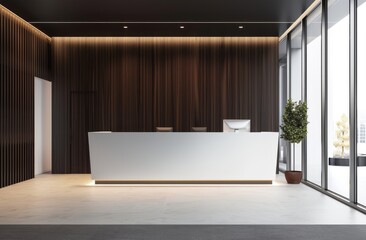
(159, 17)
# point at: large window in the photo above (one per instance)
(361, 77)
(338, 96)
(314, 96)
(283, 156)
(331, 100)
(295, 94)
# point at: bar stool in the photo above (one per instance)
(164, 129)
(199, 129)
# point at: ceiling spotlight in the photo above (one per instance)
(125, 27)
(241, 27)
(182, 27)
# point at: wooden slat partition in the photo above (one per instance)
(141, 83)
(24, 54)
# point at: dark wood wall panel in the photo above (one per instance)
(24, 54)
(141, 83)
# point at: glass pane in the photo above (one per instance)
(283, 157)
(314, 96)
(338, 96)
(361, 77)
(296, 35)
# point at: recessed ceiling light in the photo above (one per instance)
(125, 27)
(181, 26)
(241, 27)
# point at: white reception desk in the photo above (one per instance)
(148, 157)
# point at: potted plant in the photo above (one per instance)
(294, 130)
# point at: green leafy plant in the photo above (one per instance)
(295, 121)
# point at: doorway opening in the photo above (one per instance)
(42, 126)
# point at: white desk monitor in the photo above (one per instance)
(236, 125)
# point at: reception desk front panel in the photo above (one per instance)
(183, 157)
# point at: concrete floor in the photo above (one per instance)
(74, 199)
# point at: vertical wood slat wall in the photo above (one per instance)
(139, 83)
(24, 54)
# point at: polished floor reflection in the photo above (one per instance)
(74, 199)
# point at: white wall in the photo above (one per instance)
(42, 125)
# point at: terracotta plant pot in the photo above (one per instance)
(293, 177)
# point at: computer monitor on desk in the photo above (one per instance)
(236, 125)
